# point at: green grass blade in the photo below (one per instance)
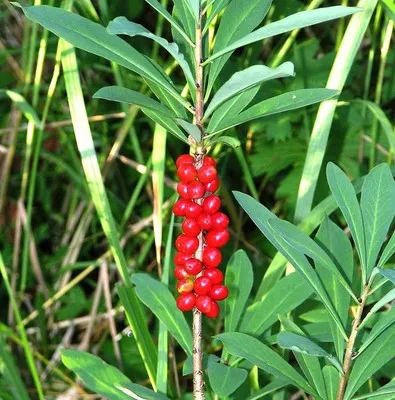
(319, 138)
(96, 187)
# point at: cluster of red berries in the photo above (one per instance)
(199, 279)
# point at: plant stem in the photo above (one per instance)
(198, 381)
(350, 344)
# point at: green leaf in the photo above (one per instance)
(337, 245)
(295, 21)
(224, 380)
(287, 294)
(227, 140)
(128, 96)
(377, 205)
(370, 361)
(246, 79)
(332, 378)
(217, 7)
(278, 104)
(303, 243)
(186, 14)
(345, 196)
(388, 252)
(302, 344)
(93, 38)
(191, 129)
(161, 10)
(387, 298)
(103, 378)
(260, 216)
(271, 387)
(157, 297)
(388, 274)
(238, 20)
(122, 26)
(387, 389)
(239, 279)
(245, 346)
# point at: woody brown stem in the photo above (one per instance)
(350, 345)
(198, 381)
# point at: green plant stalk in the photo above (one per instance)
(25, 342)
(379, 87)
(96, 186)
(319, 138)
(340, 30)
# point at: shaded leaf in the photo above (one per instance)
(192, 129)
(217, 7)
(332, 378)
(388, 274)
(388, 251)
(227, 140)
(387, 389)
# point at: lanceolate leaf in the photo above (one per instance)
(92, 37)
(245, 346)
(227, 140)
(192, 129)
(287, 294)
(239, 279)
(246, 79)
(377, 204)
(388, 251)
(217, 7)
(302, 344)
(332, 377)
(157, 297)
(388, 273)
(187, 16)
(344, 194)
(278, 104)
(239, 19)
(295, 21)
(122, 26)
(387, 389)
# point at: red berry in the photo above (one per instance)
(182, 190)
(211, 204)
(193, 210)
(212, 257)
(212, 186)
(217, 238)
(185, 285)
(204, 304)
(190, 227)
(215, 275)
(213, 313)
(193, 266)
(196, 190)
(187, 172)
(187, 244)
(202, 285)
(207, 160)
(186, 301)
(179, 208)
(184, 159)
(219, 220)
(180, 258)
(205, 221)
(207, 173)
(180, 273)
(218, 292)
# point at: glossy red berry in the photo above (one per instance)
(212, 257)
(204, 304)
(213, 313)
(187, 244)
(186, 301)
(215, 275)
(183, 190)
(193, 266)
(219, 221)
(202, 285)
(217, 238)
(187, 172)
(205, 221)
(195, 190)
(185, 285)
(212, 186)
(193, 210)
(180, 258)
(190, 227)
(207, 173)
(207, 160)
(184, 159)
(219, 292)
(211, 204)
(179, 208)
(180, 273)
